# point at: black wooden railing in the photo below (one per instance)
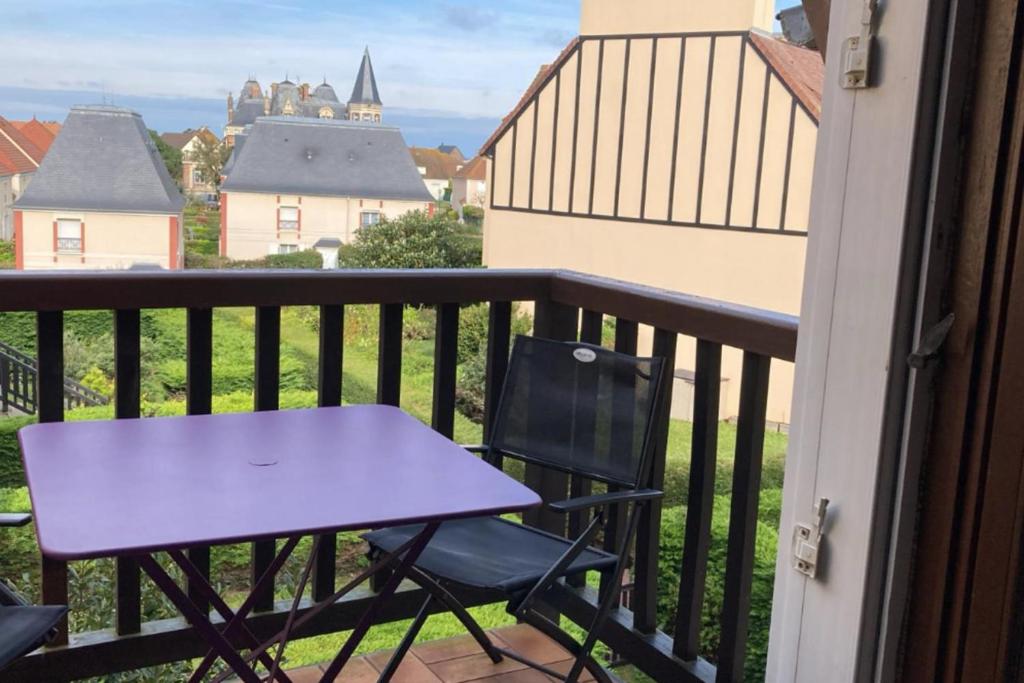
(567, 306)
(18, 384)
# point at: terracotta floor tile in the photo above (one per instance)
(531, 643)
(472, 668)
(411, 670)
(520, 676)
(449, 648)
(563, 668)
(358, 671)
(307, 674)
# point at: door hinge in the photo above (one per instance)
(807, 541)
(858, 51)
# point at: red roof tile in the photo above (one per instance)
(474, 170)
(438, 164)
(800, 69)
(17, 153)
(38, 133)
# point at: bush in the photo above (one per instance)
(6, 254)
(672, 531)
(472, 357)
(11, 471)
(310, 259)
(414, 240)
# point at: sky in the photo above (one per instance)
(447, 70)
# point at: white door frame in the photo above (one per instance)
(862, 294)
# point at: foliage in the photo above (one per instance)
(98, 381)
(209, 155)
(414, 240)
(310, 259)
(473, 214)
(671, 544)
(6, 254)
(170, 155)
(472, 357)
(11, 471)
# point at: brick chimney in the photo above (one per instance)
(615, 17)
(304, 92)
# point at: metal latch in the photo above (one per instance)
(931, 343)
(857, 50)
(807, 541)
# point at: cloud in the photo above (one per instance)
(468, 18)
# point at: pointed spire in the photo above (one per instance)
(365, 90)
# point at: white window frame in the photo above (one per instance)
(363, 215)
(69, 235)
(289, 223)
(288, 249)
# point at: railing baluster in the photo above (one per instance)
(127, 397)
(267, 383)
(50, 406)
(199, 401)
(746, 485)
(645, 594)
(626, 333)
(389, 357)
(551, 321)
(446, 352)
(499, 331)
(700, 499)
(332, 325)
(591, 326)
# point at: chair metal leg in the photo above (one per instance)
(555, 633)
(441, 594)
(407, 640)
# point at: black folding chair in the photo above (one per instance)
(571, 407)
(23, 627)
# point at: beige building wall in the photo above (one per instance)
(109, 241)
(615, 17)
(11, 187)
(251, 220)
(469, 191)
(688, 167)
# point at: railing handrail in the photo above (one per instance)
(72, 389)
(761, 331)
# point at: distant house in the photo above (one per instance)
(469, 186)
(451, 150)
(40, 133)
(187, 143)
(437, 169)
(300, 99)
(296, 181)
(20, 156)
(102, 198)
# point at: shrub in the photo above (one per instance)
(11, 471)
(6, 254)
(414, 240)
(310, 259)
(672, 531)
(472, 357)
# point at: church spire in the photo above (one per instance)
(365, 90)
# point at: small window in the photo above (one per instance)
(376, 118)
(288, 218)
(367, 218)
(287, 248)
(197, 177)
(69, 235)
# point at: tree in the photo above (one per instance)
(414, 240)
(209, 156)
(170, 155)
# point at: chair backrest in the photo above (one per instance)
(579, 408)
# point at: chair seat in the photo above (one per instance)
(489, 552)
(23, 629)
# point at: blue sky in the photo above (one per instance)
(448, 70)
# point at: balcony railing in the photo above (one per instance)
(70, 245)
(567, 306)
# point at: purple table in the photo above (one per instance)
(130, 488)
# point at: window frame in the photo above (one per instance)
(65, 244)
(283, 224)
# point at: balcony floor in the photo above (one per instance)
(458, 660)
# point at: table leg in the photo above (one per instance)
(200, 622)
(359, 632)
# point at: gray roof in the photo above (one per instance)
(246, 112)
(240, 139)
(327, 243)
(365, 90)
(289, 155)
(103, 159)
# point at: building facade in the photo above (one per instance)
(187, 142)
(299, 99)
(469, 187)
(101, 199)
(23, 144)
(670, 144)
(297, 182)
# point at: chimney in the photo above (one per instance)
(231, 107)
(266, 106)
(273, 90)
(614, 17)
(304, 92)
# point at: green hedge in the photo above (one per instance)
(672, 531)
(11, 472)
(310, 259)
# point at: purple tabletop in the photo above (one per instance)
(119, 487)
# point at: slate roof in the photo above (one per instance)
(18, 154)
(240, 139)
(474, 170)
(440, 166)
(365, 90)
(103, 160)
(334, 158)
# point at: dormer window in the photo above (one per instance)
(288, 218)
(326, 113)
